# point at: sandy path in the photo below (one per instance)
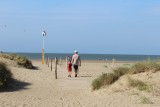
(40, 89)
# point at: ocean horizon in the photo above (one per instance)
(109, 57)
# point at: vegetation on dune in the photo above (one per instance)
(20, 60)
(105, 79)
(5, 75)
(146, 66)
(140, 85)
(145, 100)
(109, 78)
(120, 71)
(23, 61)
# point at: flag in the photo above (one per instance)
(44, 33)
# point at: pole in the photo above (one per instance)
(42, 55)
(60, 61)
(51, 63)
(56, 67)
(43, 52)
(48, 61)
(43, 34)
(67, 62)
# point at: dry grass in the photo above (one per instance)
(140, 85)
(145, 100)
(120, 71)
(109, 78)
(103, 80)
(146, 66)
(20, 60)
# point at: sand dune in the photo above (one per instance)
(39, 88)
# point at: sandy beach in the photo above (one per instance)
(39, 88)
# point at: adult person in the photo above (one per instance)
(76, 61)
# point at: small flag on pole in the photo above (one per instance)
(44, 33)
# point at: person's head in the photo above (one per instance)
(76, 52)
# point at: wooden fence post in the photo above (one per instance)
(60, 61)
(51, 63)
(56, 67)
(66, 61)
(48, 61)
(113, 60)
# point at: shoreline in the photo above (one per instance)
(93, 57)
(101, 61)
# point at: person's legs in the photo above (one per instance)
(75, 69)
(70, 74)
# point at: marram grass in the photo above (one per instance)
(20, 60)
(140, 85)
(109, 78)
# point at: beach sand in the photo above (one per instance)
(39, 88)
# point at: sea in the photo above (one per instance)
(106, 57)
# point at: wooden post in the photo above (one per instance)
(66, 61)
(48, 61)
(55, 67)
(113, 62)
(51, 64)
(60, 61)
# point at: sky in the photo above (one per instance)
(89, 26)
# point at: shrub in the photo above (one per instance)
(5, 75)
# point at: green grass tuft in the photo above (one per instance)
(96, 84)
(103, 80)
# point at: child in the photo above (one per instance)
(69, 68)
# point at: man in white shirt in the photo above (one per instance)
(76, 61)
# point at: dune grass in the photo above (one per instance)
(146, 66)
(23, 61)
(109, 78)
(5, 75)
(140, 85)
(145, 100)
(20, 60)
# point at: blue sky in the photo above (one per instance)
(90, 26)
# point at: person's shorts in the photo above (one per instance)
(75, 68)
